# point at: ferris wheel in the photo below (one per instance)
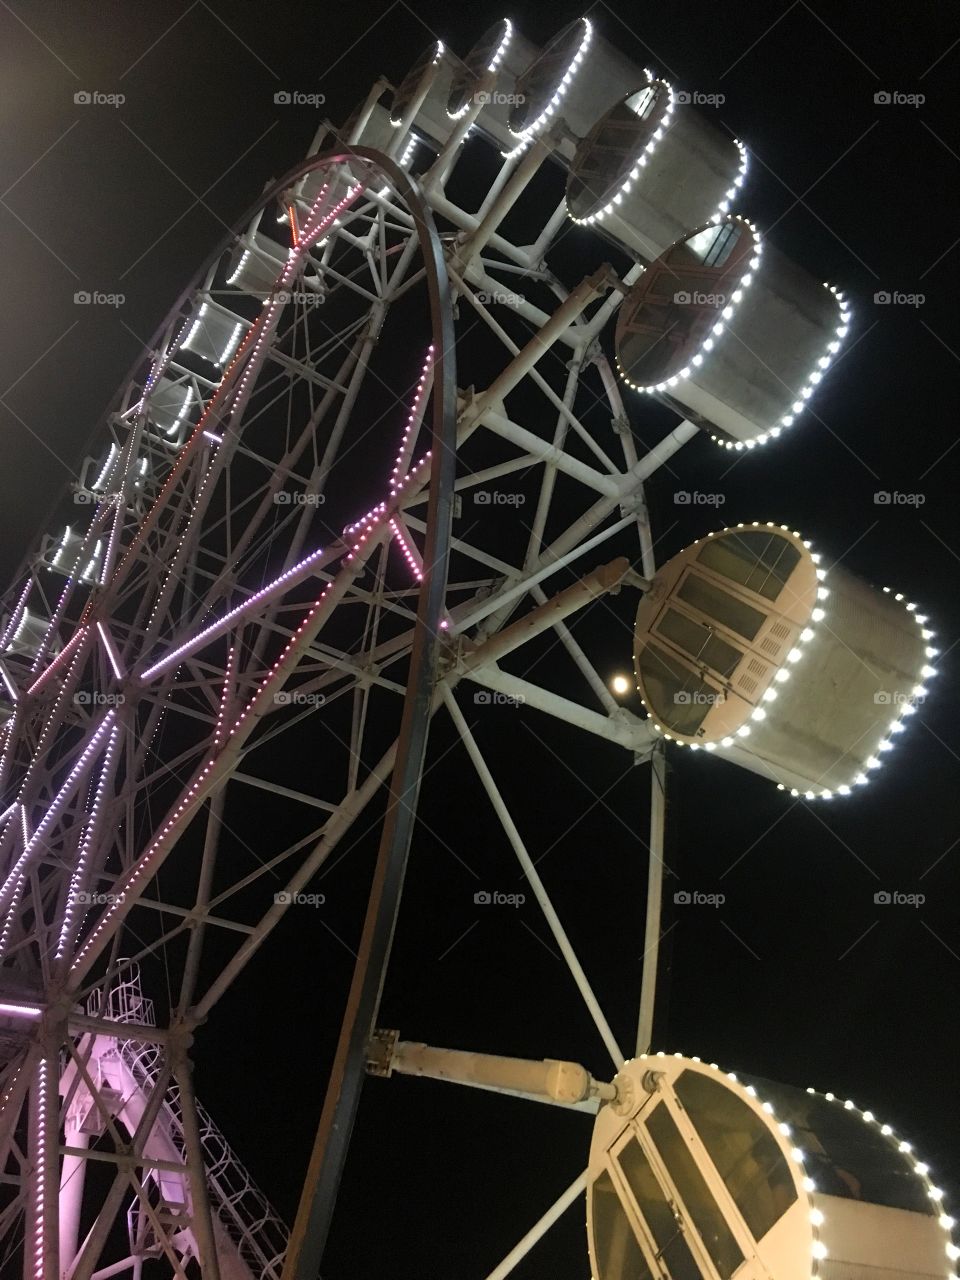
(263, 591)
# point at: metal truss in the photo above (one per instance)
(236, 585)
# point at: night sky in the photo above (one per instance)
(799, 976)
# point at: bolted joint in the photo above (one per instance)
(651, 1081)
(567, 1081)
(380, 1051)
(179, 1044)
(624, 1102)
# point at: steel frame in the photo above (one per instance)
(118, 758)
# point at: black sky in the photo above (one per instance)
(799, 976)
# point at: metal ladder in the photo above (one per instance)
(250, 1226)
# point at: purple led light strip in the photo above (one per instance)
(222, 624)
(77, 880)
(61, 798)
(58, 661)
(110, 651)
(16, 615)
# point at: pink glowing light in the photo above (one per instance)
(248, 606)
(86, 845)
(11, 687)
(59, 660)
(20, 1010)
(228, 677)
(63, 795)
(142, 871)
(249, 352)
(16, 615)
(405, 453)
(410, 555)
(110, 651)
(401, 474)
(40, 1171)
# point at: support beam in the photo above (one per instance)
(564, 1082)
(626, 730)
(651, 937)
(533, 878)
(309, 1236)
(540, 1228)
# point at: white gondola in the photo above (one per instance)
(425, 92)
(731, 331)
(503, 54)
(214, 333)
(651, 169)
(748, 646)
(696, 1174)
(577, 77)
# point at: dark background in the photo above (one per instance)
(799, 976)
